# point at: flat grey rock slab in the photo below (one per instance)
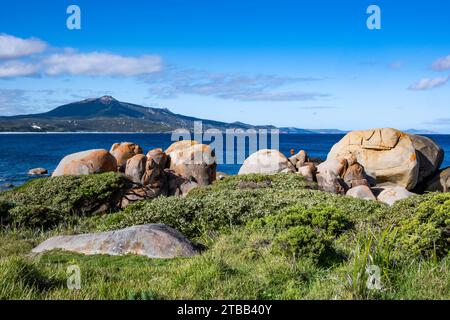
(151, 240)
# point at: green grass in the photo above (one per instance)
(266, 237)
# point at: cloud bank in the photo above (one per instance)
(29, 57)
(429, 83)
(100, 64)
(233, 86)
(16, 68)
(442, 64)
(12, 47)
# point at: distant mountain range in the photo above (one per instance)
(106, 114)
(417, 131)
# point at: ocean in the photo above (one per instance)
(22, 152)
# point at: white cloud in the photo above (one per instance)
(100, 64)
(272, 96)
(15, 68)
(429, 83)
(12, 47)
(232, 86)
(442, 64)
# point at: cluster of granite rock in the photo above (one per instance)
(384, 164)
(380, 164)
(174, 171)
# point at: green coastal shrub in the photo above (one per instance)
(304, 232)
(234, 201)
(5, 206)
(203, 211)
(258, 225)
(426, 231)
(71, 194)
(35, 216)
(213, 208)
(48, 201)
(280, 181)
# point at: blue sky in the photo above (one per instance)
(309, 64)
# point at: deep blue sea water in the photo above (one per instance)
(21, 152)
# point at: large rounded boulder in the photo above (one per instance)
(135, 168)
(150, 240)
(429, 154)
(154, 177)
(361, 192)
(194, 161)
(440, 182)
(86, 162)
(387, 155)
(124, 151)
(159, 156)
(266, 161)
(391, 194)
(180, 145)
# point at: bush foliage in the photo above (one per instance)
(267, 237)
(304, 232)
(46, 202)
(230, 203)
(426, 231)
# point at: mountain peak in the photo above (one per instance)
(106, 99)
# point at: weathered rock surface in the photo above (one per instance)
(430, 156)
(308, 170)
(392, 194)
(37, 171)
(193, 161)
(266, 161)
(355, 175)
(299, 159)
(135, 168)
(137, 194)
(177, 184)
(151, 240)
(440, 182)
(86, 162)
(388, 155)
(361, 192)
(334, 166)
(155, 178)
(124, 151)
(180, 145)
(328, 181)
(159, 156)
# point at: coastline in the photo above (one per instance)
(83, 132)
(169, 132)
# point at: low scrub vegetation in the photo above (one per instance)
(266, 237)
(48, 202)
